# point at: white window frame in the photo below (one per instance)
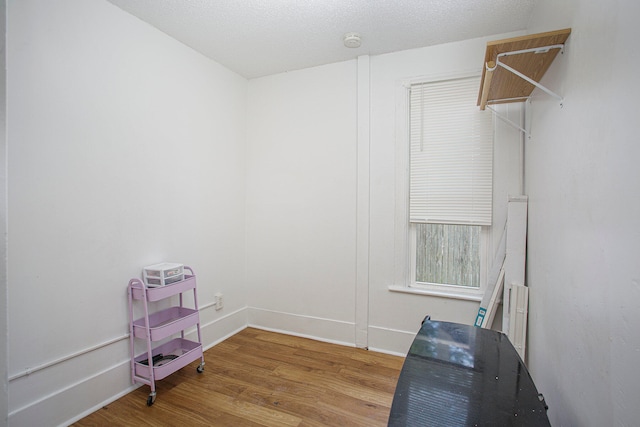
(405, 240)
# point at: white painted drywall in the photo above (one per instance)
(395, 317)
(301, 201)
(126, 148)
(302, 196)
(102, 107)
(583, 182)
(4, 382)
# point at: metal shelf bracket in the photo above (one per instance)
(491, 67)
(509, 122)
(542, 49)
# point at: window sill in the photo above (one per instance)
(448, 293)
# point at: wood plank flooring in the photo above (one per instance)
(260, 378)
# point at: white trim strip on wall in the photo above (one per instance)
(363, 203)
(30, 371)
(87, 350)
(29, 411)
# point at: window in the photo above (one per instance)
(448, 254)
(450, 183)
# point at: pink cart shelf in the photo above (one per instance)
(185, 350)
(162, 360)
(165, 323)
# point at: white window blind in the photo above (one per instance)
(451, 154)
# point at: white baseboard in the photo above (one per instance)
(218, 330)
(391, 341)
(124, 367)
(64, 393)
(320, 329)
(58, 407)
(382, 340)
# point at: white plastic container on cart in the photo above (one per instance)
(163, 274)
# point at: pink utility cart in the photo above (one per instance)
(164, 359)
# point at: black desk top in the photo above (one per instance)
(459, 375)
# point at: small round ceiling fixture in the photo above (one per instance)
(352, 40)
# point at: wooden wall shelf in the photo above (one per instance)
(529, 56)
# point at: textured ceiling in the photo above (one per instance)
(261, 37)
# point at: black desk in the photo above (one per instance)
(459, 375)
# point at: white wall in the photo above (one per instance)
(98, 102)
(4, 384)
(583, 228)
(304, 185)
(301, 201)
(583, 182)
(126, 148)
(394, 318)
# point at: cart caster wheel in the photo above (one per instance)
(151, 399)
(200, 368)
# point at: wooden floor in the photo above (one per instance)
(259, 378)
